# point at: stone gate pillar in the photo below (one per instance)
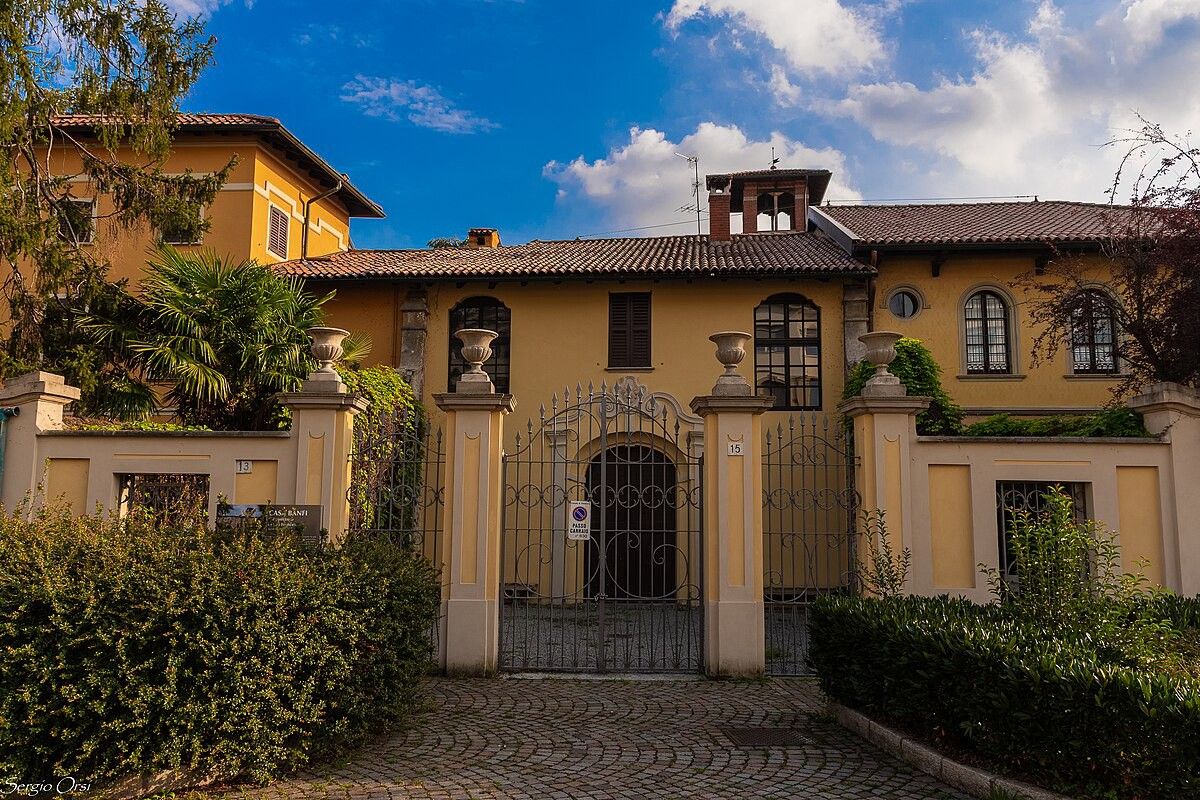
(885, 427)
(734, 636)
(35, 403)
(474, 512)
(323, 432)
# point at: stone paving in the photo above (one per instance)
(584, 739)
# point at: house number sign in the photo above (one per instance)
(735, 448)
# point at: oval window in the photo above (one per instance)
(904, 304)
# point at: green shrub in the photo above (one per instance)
(917, 369)
(1111, 422)
(1069, 580)
(91, 424)
(1047, 708)
(129, 648)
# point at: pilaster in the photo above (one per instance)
(1173, 412)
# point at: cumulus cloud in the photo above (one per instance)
(1034, 112)
(643, 181)
(818, 36)
(420, 104)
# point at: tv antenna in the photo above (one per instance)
(774, 160)
(694, 206)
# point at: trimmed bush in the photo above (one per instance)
(129, 646)
(917, 369)
(1046, 708)
(1112, 422)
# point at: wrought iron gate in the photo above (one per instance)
(622, 592)
(396, 486)
(810, 509)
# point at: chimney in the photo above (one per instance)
(718, 211)
(478, 238)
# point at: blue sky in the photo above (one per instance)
(551, 119)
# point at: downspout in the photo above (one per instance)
(308, 204)
(5, 413)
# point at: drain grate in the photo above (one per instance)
(764, 737)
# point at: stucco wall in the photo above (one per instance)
(950, 485)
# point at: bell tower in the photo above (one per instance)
(769, 200)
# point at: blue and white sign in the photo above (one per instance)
(579, 520)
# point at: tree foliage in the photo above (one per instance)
(223, 337)
(128, 63)
(1153, 245)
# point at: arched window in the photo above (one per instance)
(1093, 335)
(787, 351)
(491, 314)
(987, 334)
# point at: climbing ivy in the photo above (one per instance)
(917, 369)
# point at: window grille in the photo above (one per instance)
(987, 336)
(1017, 496)
(1093, 335)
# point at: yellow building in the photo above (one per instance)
(592, 311)
(282, 201)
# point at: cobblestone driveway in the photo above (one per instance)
(615, 740)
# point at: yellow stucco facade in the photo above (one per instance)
(1035, 383)
(266, 175)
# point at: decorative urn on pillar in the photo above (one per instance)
(881, 351)
(731, 351)
(327, 350)
(476, 349)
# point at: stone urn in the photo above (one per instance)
(476, 349)
(327, 348)
(731, 351)
(881, 351)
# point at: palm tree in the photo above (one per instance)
(221, 336)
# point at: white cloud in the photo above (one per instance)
(1032, 115)
(783, 90)
(643, 181)
(185, 9)
(420, 104)
(816, 36)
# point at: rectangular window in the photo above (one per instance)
(77, 221)
(278, 224)
(629, 329)
(1017, 496)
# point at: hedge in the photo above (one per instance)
(1050, 710)
(128, 647)
(1111, 422)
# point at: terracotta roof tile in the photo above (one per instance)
(758, 254)
(1056, 221)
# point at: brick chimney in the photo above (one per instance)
(783, 194)
(478, 238)
(718, 212)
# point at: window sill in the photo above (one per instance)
(1103, 376)
(629, 369)
(981, 376)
